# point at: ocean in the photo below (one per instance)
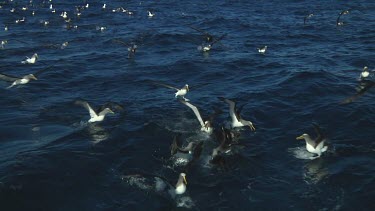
(52, 159)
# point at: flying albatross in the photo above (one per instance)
(234, 113)
(95, 116)
(207, 47)
(181, 92)
(317, 145)
(206, 126)
(31, 60)
(132, 48)
(21, 80)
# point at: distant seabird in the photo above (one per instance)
(132, 48)
(64, 15)
(365, 73)
(104, 6)
(207, 47)
(364, 86)
(338, 22)
(3, 43)
(31, 60)
(262, 50)
(307, 17)
(317, 145)
(95, 116)
(6, 28)
(21, 20)
(101, 28)
(150, 14)
(234, 113)
(206, 126)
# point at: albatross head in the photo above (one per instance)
(30, 76)
(303, 136)
(248, 123)
(181, 184)
(107, 110)
(186, 87)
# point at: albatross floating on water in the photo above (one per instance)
(262, 50)
(95, 116)
(317, 145)
(365, 73)
(234, 113)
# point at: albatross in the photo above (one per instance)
(181, 92)
(338, 22)
(132, 48)
(31, 60)
(307, 17)
(234, 113)
(317, 145)
(21, 80)
(95, 116)
(207, 47)
(158, 183)
(206, 126)
(365, 73)
(262, 50)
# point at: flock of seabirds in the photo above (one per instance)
(227, 135)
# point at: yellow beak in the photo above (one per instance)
(185, 180)
(300, 138)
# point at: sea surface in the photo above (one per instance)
(52, 159)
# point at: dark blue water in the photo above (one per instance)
(52, 160)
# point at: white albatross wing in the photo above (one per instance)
(195, 110)
(88, 107)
